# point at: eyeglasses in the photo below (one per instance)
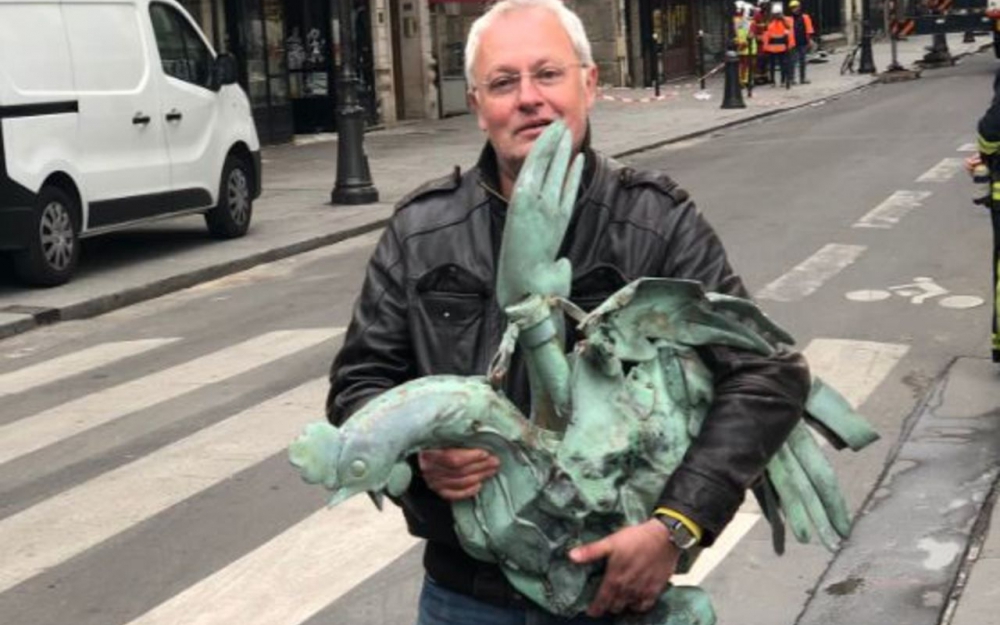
(507, 83)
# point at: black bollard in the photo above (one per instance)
(354, 180)
(867, 63)
(939, 54)
(733, 98)
(657, 56)
(701, 58)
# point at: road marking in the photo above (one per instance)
(811, 273)
(51, 426)
(892, 210)
(67, 524)
(710, 558)
(922, 289)
(296, 574)
(855, 368)
(74, 363)
(943, 171)
(961, 302)
(868, 295)
(968, 147)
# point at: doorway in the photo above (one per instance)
(311, 84)
(255, 31)
(678, 28)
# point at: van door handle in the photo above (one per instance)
(140, 120)
(174, 115)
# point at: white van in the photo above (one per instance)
(114, 113)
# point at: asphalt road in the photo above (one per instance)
(142, 470)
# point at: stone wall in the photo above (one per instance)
(602, 20)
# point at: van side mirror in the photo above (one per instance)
(226, 72)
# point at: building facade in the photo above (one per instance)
(410, 53)
(288, 53)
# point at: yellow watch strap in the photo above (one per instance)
(685, 521)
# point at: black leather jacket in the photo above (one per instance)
(427, 307)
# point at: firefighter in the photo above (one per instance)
(989, 151)
(779, 40)
(803, 28)
(758, 27)
(746, 42)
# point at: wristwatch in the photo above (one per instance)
(680, 535)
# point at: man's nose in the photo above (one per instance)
(528, 94)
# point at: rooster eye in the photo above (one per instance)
(358, 468)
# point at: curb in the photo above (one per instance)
(737, 122)
(913, 537)
(35, 317)
(977, 539)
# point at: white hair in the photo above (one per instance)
(570, 22)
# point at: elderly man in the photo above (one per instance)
(428, 307)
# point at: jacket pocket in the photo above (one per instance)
(448, 321)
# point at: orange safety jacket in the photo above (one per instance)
(808, 23)
(779, 36)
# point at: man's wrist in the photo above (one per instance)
(684, 532)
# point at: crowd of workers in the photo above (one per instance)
(771, 44)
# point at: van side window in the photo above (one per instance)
(182, 53)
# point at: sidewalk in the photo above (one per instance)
(293, 214)
(922, 550)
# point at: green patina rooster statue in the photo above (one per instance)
(610, 421)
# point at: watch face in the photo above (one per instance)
(680, 535)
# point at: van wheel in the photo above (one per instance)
(231, 216)
(54, 247)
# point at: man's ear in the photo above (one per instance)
(473, 100)
(590, 84)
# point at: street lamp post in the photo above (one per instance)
(354, 182)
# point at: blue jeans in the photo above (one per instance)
(440, 606)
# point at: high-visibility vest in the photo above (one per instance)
(778, 37)
(790, 23)
(807, 24)
(745, 43)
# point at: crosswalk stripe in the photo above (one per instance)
(307, 567)
(943, 171)
(806, 277)
(50, 426)
(69, 523)
(75, 363)
(710, 558)
(297, 573)
(855, 368)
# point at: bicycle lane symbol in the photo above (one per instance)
(922, 289)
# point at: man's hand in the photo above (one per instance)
(456, 474)
(641, 560)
